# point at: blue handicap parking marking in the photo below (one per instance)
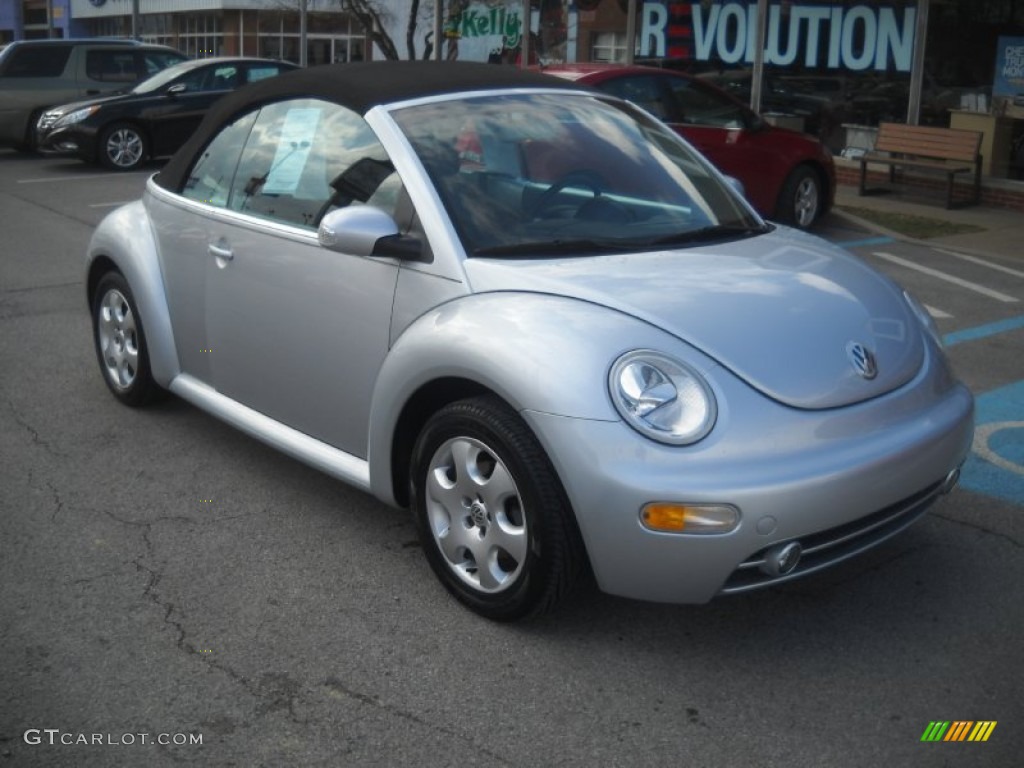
(996, 464)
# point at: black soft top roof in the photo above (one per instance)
(360, 87)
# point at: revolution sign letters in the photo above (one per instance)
(853, 38)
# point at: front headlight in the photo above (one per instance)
(76, 117)
(661, 398)
(924, 316)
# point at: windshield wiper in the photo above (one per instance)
(713, 232)
(543, 248)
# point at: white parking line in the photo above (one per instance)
(76, 178)
(982, 262)
(938, 314)
(109, 205)
(948, 278)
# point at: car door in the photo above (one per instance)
(298, 332)
(174, 114)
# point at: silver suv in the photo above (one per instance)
(38, 74)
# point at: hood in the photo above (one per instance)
(66, 109)
(780, 310)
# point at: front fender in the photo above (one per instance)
(126, 238)
(537, 352)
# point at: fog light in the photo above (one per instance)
(668, 517)
(780, 560)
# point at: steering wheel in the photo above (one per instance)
(584, 179)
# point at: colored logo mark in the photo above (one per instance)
(958, 730)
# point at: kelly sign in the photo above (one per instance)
(855, 38)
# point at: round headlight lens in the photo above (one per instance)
(661, 398)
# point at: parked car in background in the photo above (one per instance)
(537, 318)
(787, 176)
(154, 118)
(38, 74)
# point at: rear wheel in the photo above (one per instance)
(122, 147)
(491, 513)
(121, 343)
(802, 198)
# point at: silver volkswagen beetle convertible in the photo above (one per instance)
(540, 320)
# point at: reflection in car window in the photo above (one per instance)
(553, 173)
(701, 105)
(209, 181)
(305, 157)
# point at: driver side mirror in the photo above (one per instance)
(177, 88)
(365, 230)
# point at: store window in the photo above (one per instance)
(608, 47)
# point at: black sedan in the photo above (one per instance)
(154, 118)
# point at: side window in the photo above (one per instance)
(645, 92)
(209, 181)
(111, 66)
(37, 61)
(262, 72)
(222, 78)
(305, 157)
(701, 105)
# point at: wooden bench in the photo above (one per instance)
(926, 148)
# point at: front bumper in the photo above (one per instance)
(838, 481)
(66, 141)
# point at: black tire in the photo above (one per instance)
(120, 342)
(122, 147)
(508, 504)
(802, 200)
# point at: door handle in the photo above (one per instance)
(220, 253)
(92, 92)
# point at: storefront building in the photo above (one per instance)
(201, 28)
(839, 67)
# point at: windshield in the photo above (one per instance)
(165, 76)
(563, 173)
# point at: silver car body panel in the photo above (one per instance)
(708, 296)
(543, 335)
(126, 237)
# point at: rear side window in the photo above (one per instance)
(37, 61)
(112, 66)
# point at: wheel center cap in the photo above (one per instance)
(479, 513)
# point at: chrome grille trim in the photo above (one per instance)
(826, 548)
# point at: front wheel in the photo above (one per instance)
(121, 343)
(122, 147)
(801, 200)
(492, 516)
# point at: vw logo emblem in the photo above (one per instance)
(862, 360)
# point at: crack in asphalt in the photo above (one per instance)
(980, 528)
(58, 504)
(274, 692)
(336, 685)
(36, 439)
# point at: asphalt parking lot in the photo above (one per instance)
(165, 577)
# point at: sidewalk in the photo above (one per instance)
(1003, 234)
